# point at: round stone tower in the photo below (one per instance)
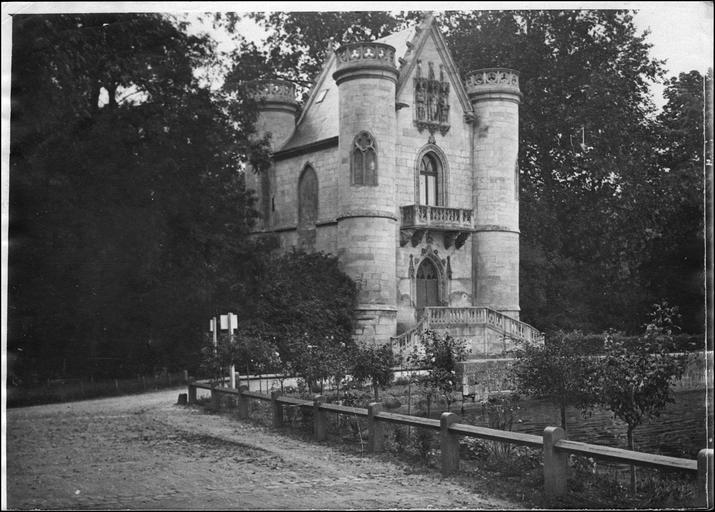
(366, 76)
(495, 97)
(277, 111)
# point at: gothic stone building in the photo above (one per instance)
(410, 177)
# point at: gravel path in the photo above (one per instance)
(145, 452)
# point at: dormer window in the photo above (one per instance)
(364, 160)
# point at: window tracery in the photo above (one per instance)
(364, 160)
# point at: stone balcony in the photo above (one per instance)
(417, 221)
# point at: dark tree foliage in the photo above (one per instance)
(595, 193)
(127, 207)
(673, 264)
(302, 303)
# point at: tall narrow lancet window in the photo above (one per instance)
(307, 198)
(364, 160)
(429, 180)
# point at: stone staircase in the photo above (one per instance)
(488, 332)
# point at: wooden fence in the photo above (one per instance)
(555, 446)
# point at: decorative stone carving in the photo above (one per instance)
(449, 267)
(493, 80)
(411, 269)
(449, 238)
(365, 53)
(461, 238)
(406, 236)
(272, 90)
(431, 100)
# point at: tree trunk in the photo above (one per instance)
(374, 386)
(633, 467)
(563, 416)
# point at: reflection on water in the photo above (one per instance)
(680, 430)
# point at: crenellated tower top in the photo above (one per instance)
(493, 82)
(357, 59)
(276, 93)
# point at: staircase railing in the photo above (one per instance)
(405, 343)
(443, 317)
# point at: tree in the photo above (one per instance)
(127, 205)
(636, 378)
(299, 42)
(374, 364)
(673, 266)
(439, 353)
(558, 371)
(591, 183)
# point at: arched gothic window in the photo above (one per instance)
(363, 160)
(430, 173)
(307, 197)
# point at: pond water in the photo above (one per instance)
(679, 431)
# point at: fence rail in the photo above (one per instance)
(553, 443)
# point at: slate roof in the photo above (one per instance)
(319, 120)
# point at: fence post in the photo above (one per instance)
(320, 419)
(448, 443)
(705, 481)
(215, 399)
(277, 409)
(375, 429)
(555, 463)
(242, 403)
(192, 394)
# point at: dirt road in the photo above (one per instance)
(146, 452)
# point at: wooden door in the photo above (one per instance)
(427, 285)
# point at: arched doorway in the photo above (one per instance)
(427, 285)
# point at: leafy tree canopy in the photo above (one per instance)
(128, 209)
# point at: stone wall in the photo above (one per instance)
(496, 190)
(484, 376)
(454, 149)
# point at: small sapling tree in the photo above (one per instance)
(374, 364)
(636, 376)
(440, 355)
(556, 371)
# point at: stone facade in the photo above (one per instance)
(404, 172)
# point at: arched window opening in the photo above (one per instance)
(364, 160)
(430, 170)
(307, 198)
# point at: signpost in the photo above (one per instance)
(227, 322)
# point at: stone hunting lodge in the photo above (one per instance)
(410, 177)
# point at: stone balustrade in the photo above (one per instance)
(443, 317)
(493, 80)
(456, 224)
(437, 217)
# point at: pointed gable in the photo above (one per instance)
(320, 120)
